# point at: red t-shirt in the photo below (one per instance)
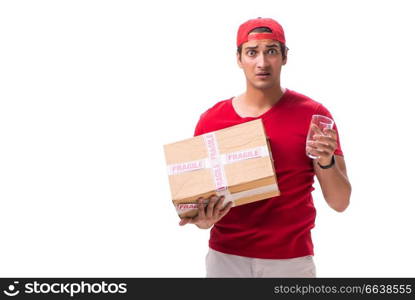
(277, 227)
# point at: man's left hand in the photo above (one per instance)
(323, 146)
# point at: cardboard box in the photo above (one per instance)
(235, 162)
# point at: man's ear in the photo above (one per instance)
(238, 59)
(286, 57)
(285, 61)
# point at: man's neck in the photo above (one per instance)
(260, 99)
(255, 102)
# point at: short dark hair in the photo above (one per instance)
(265, 29)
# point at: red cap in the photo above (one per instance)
(276, 34)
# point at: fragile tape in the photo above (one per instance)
(226, 158)
(216, 165)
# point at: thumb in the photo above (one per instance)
(185, 221)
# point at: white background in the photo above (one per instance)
(91, 90)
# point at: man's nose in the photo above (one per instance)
(262, 61)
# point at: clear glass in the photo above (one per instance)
(317, 124)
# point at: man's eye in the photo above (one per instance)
(251, 52)
(272, 51)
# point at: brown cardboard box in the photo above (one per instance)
(235, 162)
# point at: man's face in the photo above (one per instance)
(261, 61)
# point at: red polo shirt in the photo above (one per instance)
(277, 227)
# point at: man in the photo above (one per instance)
(272, 238)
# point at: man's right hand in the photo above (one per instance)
(210, 214)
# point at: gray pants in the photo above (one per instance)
(220, 264)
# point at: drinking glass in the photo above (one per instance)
(317, 124)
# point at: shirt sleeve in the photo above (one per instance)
(322, 110)
(199, 127)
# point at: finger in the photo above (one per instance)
(320, 147)
(211, 205)
(321, 156)
(310, 150)
(324, 138)
(184, 221)
(317, 150)
(201, 210)
(324, 145)
(316, 129)
(324, 154)
(311, 144)
(330, 132)
(224, 211)
(218, 207)
(313, 152)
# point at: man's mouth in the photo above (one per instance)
(263, 74)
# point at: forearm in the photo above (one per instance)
(335, 186)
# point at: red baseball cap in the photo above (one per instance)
(276, 34)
